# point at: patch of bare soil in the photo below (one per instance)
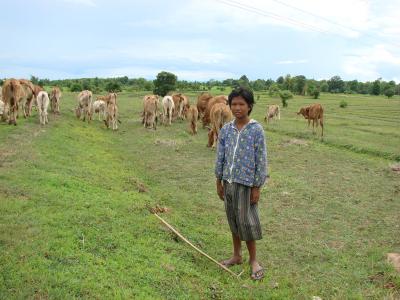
(168, 143)
(395, 168)
(294, 142)
(394, 260)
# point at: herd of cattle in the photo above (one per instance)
(213, 111)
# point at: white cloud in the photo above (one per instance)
(365, 62)
(289, 62)
(83, 2)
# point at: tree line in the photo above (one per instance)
(166, 82)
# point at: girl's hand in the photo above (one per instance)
(254, 195)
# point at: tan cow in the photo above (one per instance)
(220, 114)
(178, 105)
(202, 101)
(214, 100)
(150, 111)
(55, 97)
(29, 97)
(12, 94)
(112, 112)
(314, 112)
(1, 107)
(182, 104)
(186, 105)
(84, 106)
(42, 101)
(272, 112)
(192, 115)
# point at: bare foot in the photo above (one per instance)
(234, 260)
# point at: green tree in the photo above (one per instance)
(285, 96)
(273, 90)
(324, 86)
(336, 84)
(288, 83)
(389, 92)
(280, 80)
(34, 79)
(164, 83)
(244, 81)
(299, 85)
(376, 87)
(258, 85)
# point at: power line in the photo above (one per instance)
(333, 22)
(270, 14)
(265, 13)
(315, 15)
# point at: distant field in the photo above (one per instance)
(74, 225)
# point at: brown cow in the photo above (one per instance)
(12, 93)
(272, 112)
(314, 112)
(192, 115)
(150, 111)
(214, 100)
(27, 102)
(202, 101)
(55, 96)
(220, 114)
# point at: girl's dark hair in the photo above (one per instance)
(245, 93)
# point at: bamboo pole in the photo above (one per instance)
(197, 249)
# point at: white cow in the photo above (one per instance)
(42, 101)
(99, 106)
(168, 109)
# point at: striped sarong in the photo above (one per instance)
(241, 214)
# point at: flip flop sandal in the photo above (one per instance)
(257, 275)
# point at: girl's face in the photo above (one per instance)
(239, 107)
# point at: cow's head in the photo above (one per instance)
(304, 111)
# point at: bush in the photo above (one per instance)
(285, 95)
(113, 86)
(343, 104)
(76, 87)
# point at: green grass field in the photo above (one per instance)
(73, 223)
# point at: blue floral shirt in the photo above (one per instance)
(242, 155)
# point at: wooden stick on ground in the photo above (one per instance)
(197, 249)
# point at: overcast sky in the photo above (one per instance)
(200, 39)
